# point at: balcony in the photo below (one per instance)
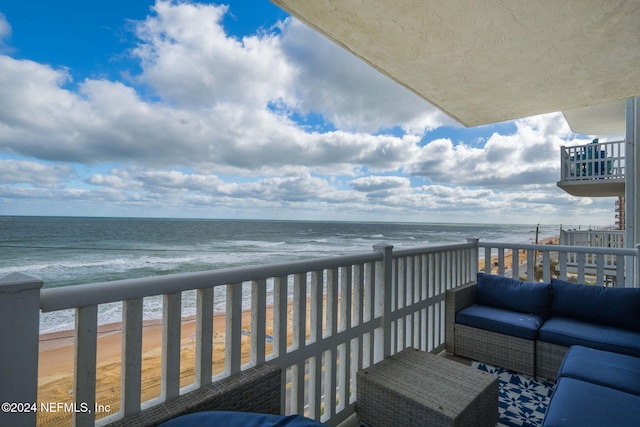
(593, 239)
(593, 170)
(317, 321)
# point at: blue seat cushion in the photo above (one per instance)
(604, 368)
(577, 403)
(619, 307)
(514, 295)
(568, 332)
(239, 419)
(499, 320)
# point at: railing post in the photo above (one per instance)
(383, 299)
(474, 256)
(564, 163)
(19, 334)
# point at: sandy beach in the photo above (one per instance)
(56, 355)
(508, 256)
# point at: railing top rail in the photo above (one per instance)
(603, 231)
(68, 297)
(591, 144)
(399, 253)
(561, 248)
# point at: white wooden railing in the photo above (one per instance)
(346, 314)
(593, 239)
(603, 160)
(579, 263)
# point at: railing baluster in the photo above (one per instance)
(580, 259)
(329, 370)
(316, 303)
(621, 280)
(531, 264)
(281, 308)
(546, 267)
(233, 336)
(315, 382)
(346, 298)
(258, 321)
(204, 337)
(487, 259)
(599, 268)
(562, 263)
(84, 389)
(171, 325)
(332, 301)
(131, 364)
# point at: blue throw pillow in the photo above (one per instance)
(619, 307)
(515, 295)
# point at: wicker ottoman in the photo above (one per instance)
(416, 388)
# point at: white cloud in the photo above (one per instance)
(216, 111)
(34, 173)
(530, 156)
(379, 183)
(189, 60)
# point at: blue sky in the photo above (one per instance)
(236, 110)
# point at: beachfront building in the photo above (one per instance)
(478, 61)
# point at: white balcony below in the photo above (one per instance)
(593, 170)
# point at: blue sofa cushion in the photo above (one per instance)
(578, 403)
(604, 368)
(512, 294)
(239, 419)
(568, 332)
(618, 307)
(499, 320)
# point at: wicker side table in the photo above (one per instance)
(416, 388)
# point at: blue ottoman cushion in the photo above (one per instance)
(578, 404)
(604, 368)
(515, 295)
(239, 419)
(499, 320)
(568, 332)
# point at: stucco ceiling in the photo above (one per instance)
(487, 61)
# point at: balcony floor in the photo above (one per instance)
(594, 188)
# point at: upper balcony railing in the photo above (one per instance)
(596, 169)
(331, 318)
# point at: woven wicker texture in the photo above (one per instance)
(548, 359)
(416, 388)
(455, 300)
(254, 390)
(516, 354)
(508, 352)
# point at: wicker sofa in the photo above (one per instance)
(529, 327)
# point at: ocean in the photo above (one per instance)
(66, 251)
